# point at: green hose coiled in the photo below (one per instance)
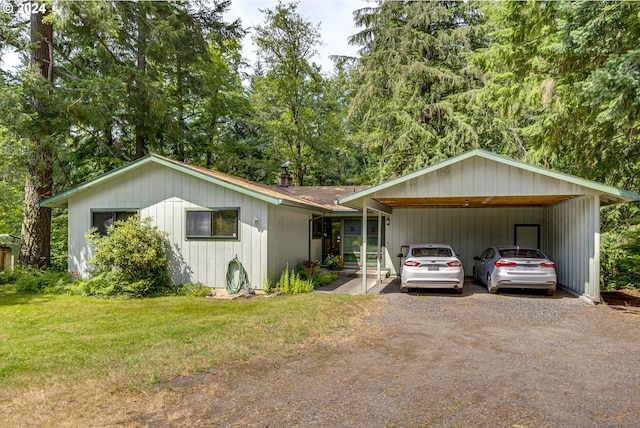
(235, 284)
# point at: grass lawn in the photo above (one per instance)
(134, 344)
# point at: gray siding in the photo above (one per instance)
(469, 231)
(288, 239)
(165, 195)
(481, 177)
(573, 240)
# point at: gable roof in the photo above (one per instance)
(614, 194)
(263, 192)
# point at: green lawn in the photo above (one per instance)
(46, 339)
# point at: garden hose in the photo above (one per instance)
(235, 284)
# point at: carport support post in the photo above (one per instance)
(379, 252)
(363, 256)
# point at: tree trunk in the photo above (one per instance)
(36, 226)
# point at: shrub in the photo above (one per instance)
(324, 279)
(292, 283)
(34, 281)
(136, 252)
(334, 262)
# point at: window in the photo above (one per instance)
(217, 224)
(103, 219)
(316, 231)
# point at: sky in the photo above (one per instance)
(334, 16)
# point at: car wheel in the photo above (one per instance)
(550, 292)
(460, 290)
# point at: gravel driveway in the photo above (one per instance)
(441, 360)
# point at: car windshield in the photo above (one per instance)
(431, 252)
(522, 253)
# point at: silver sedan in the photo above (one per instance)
(431, 266)
(515, 267)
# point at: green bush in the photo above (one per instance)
(35, 281)
(291, 283)
(324, 279)
(134, 252)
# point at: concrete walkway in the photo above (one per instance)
(352, 284)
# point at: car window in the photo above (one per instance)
(491, 253)
(431, 252)
(523, 253)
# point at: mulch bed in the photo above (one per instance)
(621, 297)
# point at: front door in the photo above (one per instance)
(352, 241)
(331, 239)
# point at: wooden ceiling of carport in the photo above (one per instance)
(475, 201)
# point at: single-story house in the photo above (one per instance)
(470, 201)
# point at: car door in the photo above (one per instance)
(485, 264)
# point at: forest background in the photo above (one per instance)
(102, 83)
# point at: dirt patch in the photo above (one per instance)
(419, 359)
(628, 298)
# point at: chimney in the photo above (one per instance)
(285, 178)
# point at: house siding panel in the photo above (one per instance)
(288, 239)
(468, 231)
(481, 177)
(165, 195)
(573, 238)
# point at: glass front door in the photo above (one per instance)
(353, 241)
(331, 237)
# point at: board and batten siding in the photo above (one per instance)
(468, 230)
(289, 237)
(480, 177)
(165, 195)
(573, 240)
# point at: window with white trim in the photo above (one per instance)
(212, 224)
(101, 220)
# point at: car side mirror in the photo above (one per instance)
(476, 258)
(400, 255)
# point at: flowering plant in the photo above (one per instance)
(311, 263)
(334, 262)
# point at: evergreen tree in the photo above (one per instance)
(413, 95)
(296, 105)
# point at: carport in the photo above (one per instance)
(478, 199)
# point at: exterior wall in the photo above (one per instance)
(573, 240)
(478, 176)
(316, 249)
(165, 194)
(289, 237)
(468, 230)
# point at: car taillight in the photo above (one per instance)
(503, 263)
(411, 263)
(548, 264)
(454, 263)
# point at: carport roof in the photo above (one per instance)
(608, 194)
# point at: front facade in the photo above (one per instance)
(470, 202)
(210, 219)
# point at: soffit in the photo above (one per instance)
(475, 201)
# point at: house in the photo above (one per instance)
(470, 201)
